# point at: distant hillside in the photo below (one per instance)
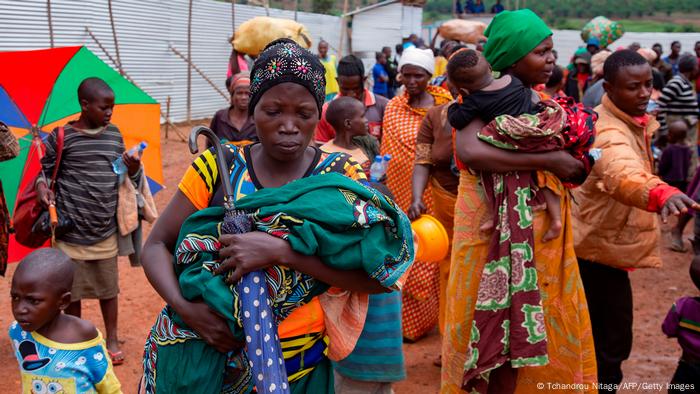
(585, 9)
(636, 15)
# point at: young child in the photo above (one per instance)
(86, 193)
(347, 116)
(380, 76)
(682, 323)
(555, 84)
(485, 97)
(675, 159)
(57, 352)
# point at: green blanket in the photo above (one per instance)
(348, 225)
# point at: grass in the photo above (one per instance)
(632, 25)
(688, 25)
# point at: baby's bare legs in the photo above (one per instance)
(554, 211)
(488, 224)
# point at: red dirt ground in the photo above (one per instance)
(653, 358)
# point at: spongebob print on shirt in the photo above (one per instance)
(49, 367)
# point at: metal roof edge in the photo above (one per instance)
(371, 7)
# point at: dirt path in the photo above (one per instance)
(653, 358)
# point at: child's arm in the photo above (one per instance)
(461, 114)
(671, 322)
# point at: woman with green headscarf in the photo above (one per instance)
(520, 44)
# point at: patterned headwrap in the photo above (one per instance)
(241, 79)
(282, 61)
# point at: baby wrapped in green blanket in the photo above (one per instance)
(346, 224)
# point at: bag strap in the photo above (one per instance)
(59, 153)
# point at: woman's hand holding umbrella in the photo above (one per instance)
(248, 252)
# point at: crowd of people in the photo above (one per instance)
(495, 140)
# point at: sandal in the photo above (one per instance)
(117, 357)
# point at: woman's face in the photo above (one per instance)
(240, 96)
(286, 117)
(415, 79)
(536, 67)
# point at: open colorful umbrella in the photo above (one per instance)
(40, 89)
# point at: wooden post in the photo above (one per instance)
(189, 63)
(48, 14)
(114, 37)
(167, 116)
(201, 73)
(343, 28)
(99, 44)
(233, 17)
(128, 78)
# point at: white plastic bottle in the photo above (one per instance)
(376, 170)
(385, 163)
(118, 165)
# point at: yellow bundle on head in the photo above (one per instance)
(462, 30)
(254, 35)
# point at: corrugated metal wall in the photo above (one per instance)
(372, 30)
(412, 20)
(145, 30)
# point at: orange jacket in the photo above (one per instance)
(611, 223)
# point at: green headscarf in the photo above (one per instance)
(512, 35)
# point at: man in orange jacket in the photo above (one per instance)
(615, 221)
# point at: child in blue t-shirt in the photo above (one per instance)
(56, 352)
(380, 76)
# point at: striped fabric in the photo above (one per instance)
(378, 355)
(86, 186)
(401, 125)
(677, 98)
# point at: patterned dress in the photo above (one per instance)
(401, 124)
(302, 334)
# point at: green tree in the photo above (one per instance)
(323, 6)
